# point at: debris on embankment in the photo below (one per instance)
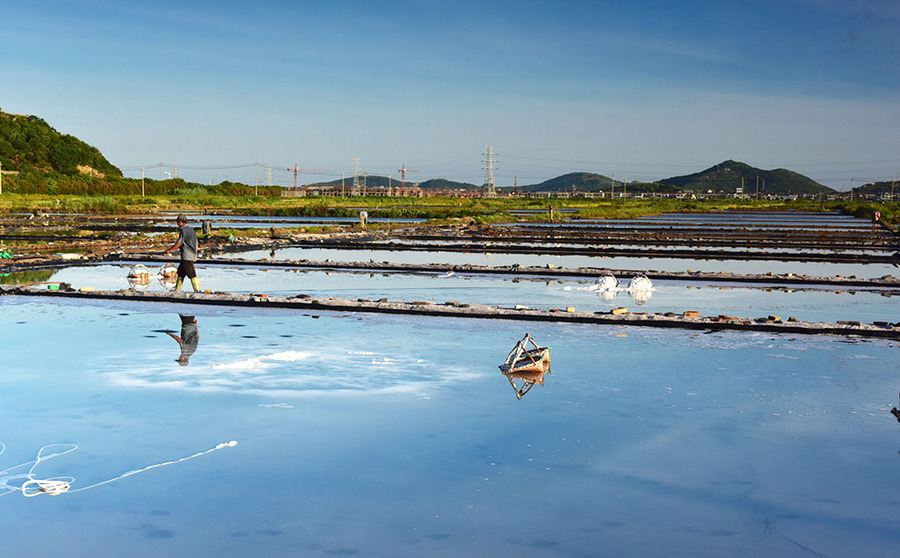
(620, 316)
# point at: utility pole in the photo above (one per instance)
(612, 191)
(757, 187)
(489, 186)
(851, 188)
(142, 182)
(354, 189)
(256, 183)
(268, 175)
(342, 184)
(625, 187)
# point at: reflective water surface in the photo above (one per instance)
(391, 436)
(659, 264)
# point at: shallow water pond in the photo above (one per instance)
(659, 264)
(390, 436)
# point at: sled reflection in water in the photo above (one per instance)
(528, 380)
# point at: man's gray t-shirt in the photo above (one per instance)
(190, 336)
(188, 248)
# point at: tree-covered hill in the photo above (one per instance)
(444, 184)
(879, 188)
(371, 181)
(580, 181)
(592, 182)
(728, 176)
(28, 143)
(374, 181)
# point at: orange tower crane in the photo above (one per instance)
(296, 168)
(403, 170)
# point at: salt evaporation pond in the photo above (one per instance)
(744, 300)
(867, 271)
(375, 435)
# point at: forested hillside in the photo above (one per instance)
(728, 176)
(29, 143)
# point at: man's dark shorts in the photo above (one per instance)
(186, 269)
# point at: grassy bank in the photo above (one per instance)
(481, 210)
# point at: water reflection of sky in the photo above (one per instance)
(744, 300)
(719, 444)
(659, 264)
(550, 244)
(768, 226)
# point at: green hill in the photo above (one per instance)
(728, 176)
(28, 143)
(444, 184)
(580, 181)
(592, 182)
(879, 188)
(373, 181)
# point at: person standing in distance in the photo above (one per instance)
(187, 243)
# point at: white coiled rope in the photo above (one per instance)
(55, 486)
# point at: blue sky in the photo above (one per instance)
(645, 90)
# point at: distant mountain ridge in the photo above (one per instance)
(729, 176)
(725, 177)
(28, 143)
(580, 181)
(375, 181)
(878, 188)
(444, 184)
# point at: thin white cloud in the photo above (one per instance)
(673, 47)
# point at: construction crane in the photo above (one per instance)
(403, 170)
(296, 168)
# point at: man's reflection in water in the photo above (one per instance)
(190, 335)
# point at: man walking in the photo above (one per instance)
(187, 243)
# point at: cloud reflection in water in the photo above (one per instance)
(298, 373)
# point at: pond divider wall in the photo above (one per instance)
(595, 251)
(620, 317)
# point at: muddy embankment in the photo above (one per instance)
(450, 309)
